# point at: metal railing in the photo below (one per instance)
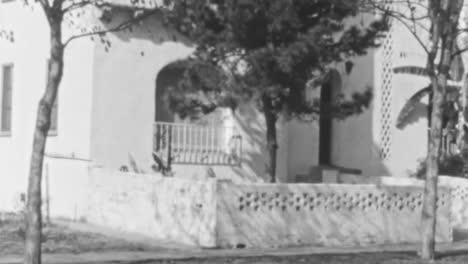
(182, 143)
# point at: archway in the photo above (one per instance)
(206, 139)
(168, 77)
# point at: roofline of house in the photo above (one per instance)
(122, 4)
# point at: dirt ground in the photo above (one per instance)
(371, 258)
(59, 239)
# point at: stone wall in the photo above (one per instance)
(155, 206)
(267, 215)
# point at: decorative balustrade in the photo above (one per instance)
(183, 143)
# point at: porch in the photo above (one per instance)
(196, 144)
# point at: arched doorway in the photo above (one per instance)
(327, 92)
(207, 139)
(168, 77)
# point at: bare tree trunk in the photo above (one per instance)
(33, 207)
(428, 221)
(444, 19)
(460, 141)
(461, 44)
(272, 144)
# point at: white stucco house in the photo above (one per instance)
(108, 111)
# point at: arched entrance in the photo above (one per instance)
(168, 77)
(207, 140)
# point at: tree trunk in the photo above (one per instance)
(428, 221)
(33, 206)
(444, 19)
(461, 115)
(461, 44)
(272, 144)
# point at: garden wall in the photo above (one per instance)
(459, 197)
(216, 213)
(273, 215)
(65, 187)
(155, 206)
(458, 192)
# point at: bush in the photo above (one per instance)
(450, 165)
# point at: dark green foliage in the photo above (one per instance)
(268, 52)
(282, 45)
(203, 88)
(450, 165)
(450, 106)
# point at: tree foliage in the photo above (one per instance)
(272, 48)
(269, 52)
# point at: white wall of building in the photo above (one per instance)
(410, 142)
(124, 93)
(357, 141)
(107, 109)
(123, 112)
(353, 144)
(29, 54)
(124, 106)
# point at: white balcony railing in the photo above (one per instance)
(184, 143)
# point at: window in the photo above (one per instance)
(5, 122)
(54, 110)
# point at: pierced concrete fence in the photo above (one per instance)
(271, 215)
(210, 213)
(458, 192)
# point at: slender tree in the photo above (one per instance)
(60, 14)
(435, 25)
(269, 51)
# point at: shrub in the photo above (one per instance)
(452, 165)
